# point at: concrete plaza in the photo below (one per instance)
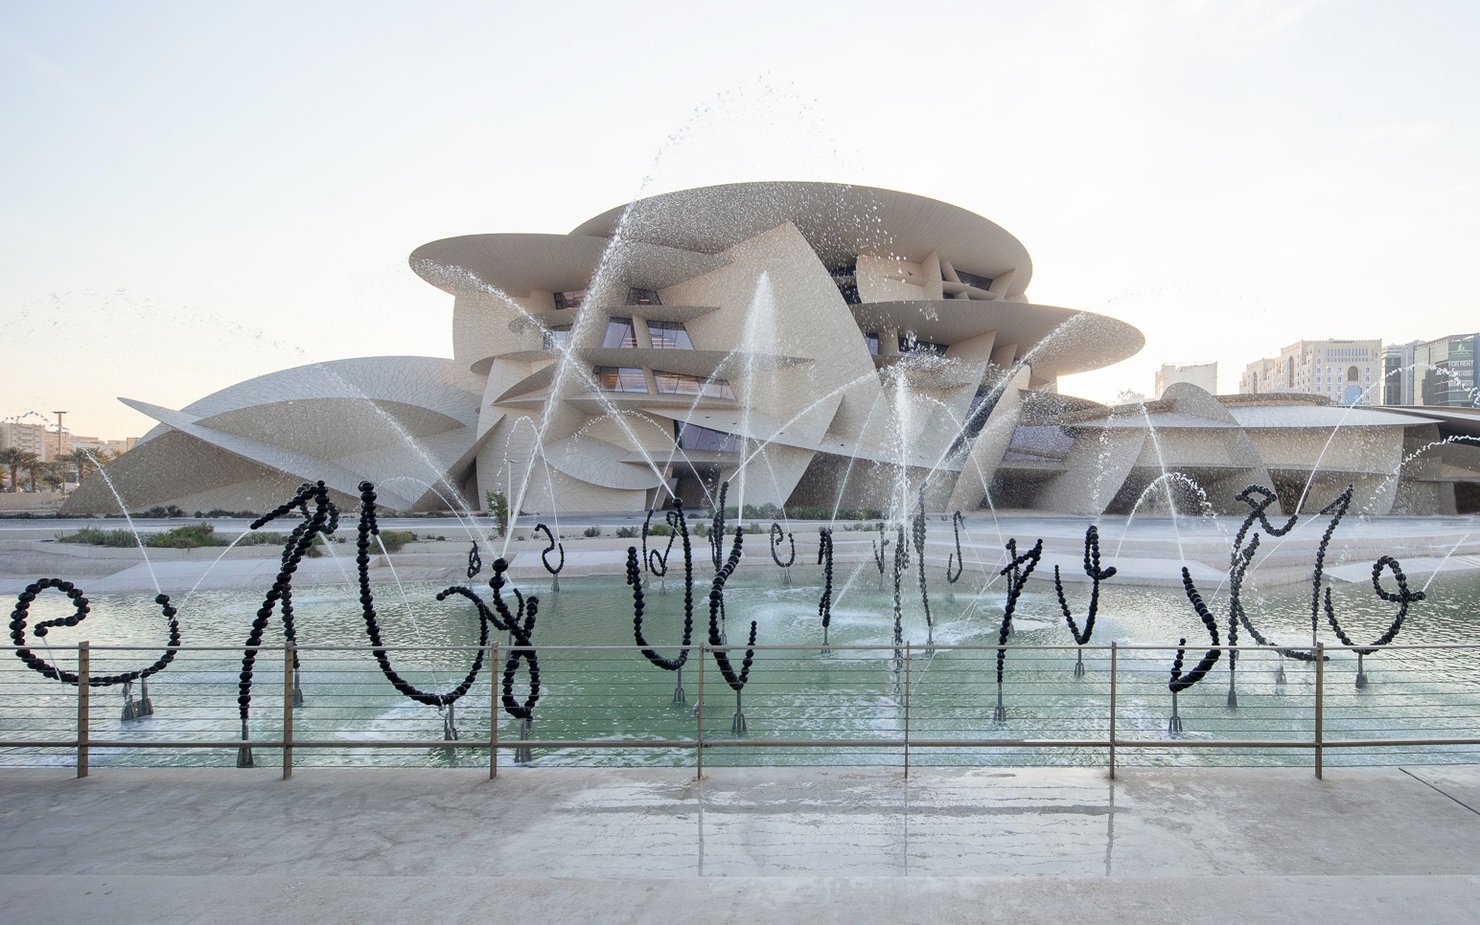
(752, 845)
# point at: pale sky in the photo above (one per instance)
(196, 194)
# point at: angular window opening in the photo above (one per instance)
(556, 337)
(694, 437)
(680, 384)
(619, 333)
(871, 341)
(643, 297)
(621, 379)
(570, 298)
(1351, 374)
(971, 279)
(909, 344)
(845, 277)
(669, 335)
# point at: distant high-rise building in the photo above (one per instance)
(1397, 373)
(1440, 373)
(1444, 372)
(1202, 375)
(1348, 372)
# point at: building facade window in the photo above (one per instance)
(621, 379)
(570, 298)
(908, 343)
(643, 297)
(845, 277)
(669, 335)
(619, 333)
(694, 437)
(871, 341)
(556, 338)
(972, 279)
(681, 384)
(1351, 374)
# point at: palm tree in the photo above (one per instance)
(33, 465)
(13, 458)
(52, 474)
(82, 460)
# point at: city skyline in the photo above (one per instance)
(1229, 178)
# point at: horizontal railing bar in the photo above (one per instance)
(743, 743)
(1394, 743)
(1213, 743)
(921, 652)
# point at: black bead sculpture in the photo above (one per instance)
(1180, 682)
(132, 709)
(901, 562)
(881, 546)
(955, 562)
(917, 530)
(717, 528)
(520, 624)
(776, 535)
(825, 559)
(554, 570)
(716, 552)
(475, 562)
(322, 520)
(679, 526)
(444, 702)
(1017, 570)
(1403, 598)
(1258, 498)
(657, 562)
(735, 679)
(1096, 575)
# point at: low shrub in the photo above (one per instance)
(591, 531)
(92, 536)
(627, 532)
(191, 536)
(262, 539)
(396, 540)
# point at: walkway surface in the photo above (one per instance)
(746, 846)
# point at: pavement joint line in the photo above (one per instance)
(1438, 790)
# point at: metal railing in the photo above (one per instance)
(906, 705)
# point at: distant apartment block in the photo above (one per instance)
(1344, 371)
(29, 438)
(1202, 375)
(44, 442)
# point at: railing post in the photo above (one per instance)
(289, 650)
(1113, 652)
(907, 709)
(1320, 706)
(493, 710)
(699, 722)
(82, 707)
